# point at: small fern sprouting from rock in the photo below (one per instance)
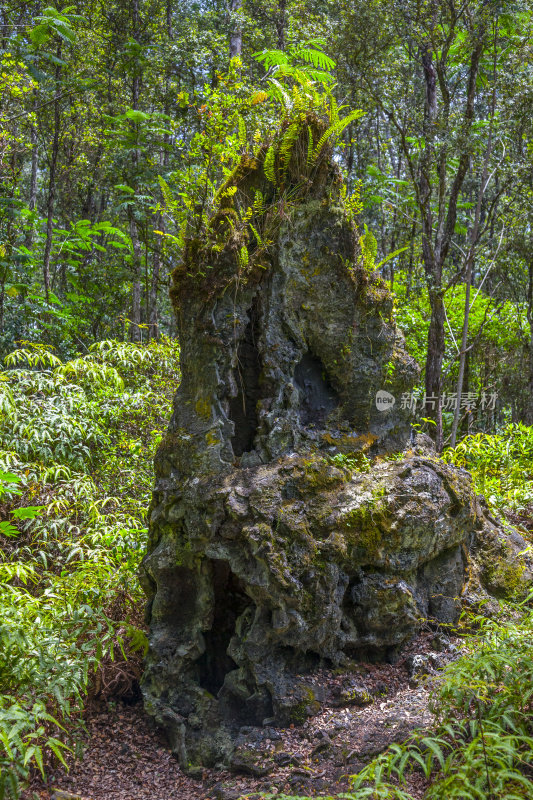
(229, 223)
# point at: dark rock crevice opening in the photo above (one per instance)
(243, 407)
(318, 398)
(230, 601)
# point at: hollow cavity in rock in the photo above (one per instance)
(317, 397)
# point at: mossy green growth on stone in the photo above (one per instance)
(504, 578)
(184, 554)
(320, 474)
(363, 532)
(203, 407)
(307, 707)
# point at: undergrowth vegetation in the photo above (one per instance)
(76, 447)
(501, 466)
(482, 745)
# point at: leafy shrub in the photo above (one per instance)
(76, 442)
(482, 747)
(501, 465)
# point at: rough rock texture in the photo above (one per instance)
(276, 545)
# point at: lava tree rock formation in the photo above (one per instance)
(282, 535)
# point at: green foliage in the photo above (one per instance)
(70, 600)
(501, 465)
(55, 22)
(496, 364)
(336, 128)
(204, 200)
(270, 160)
(357, 462)
(369, 249)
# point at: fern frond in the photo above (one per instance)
(309, 146)
(167, 194)
(285, 150)
(279, 92)
(334, 131)
(391, 256)
(319, 76)
(269, 164)
(257, 236)
(242, 132)
(259, 202)
(243, 257)
(271, 58)
(314, 55)
(259, 97)
(369, 249)
(333, 111)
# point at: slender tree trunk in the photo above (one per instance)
(411, 258)
(463, 353)
(529, 409)
(169, 18)
(50, 202)
(281, 23)
(435, 357)
(135, 320)
(436, 243)
(467, 425)
(235, 39)
(32, 202)
(153, 317)
(470, 259)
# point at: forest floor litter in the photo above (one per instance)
(367, 708)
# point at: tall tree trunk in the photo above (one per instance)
(50, 202)
(135, 320)
(435, 357)
(467, 424)
(436, 243)
(529, 409)
(32, 202)
(235, 38)
(168, 11)
(153, 317)
(281, 23)
(410, 264)
(470, 260)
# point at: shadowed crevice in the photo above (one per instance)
(243, 407)
(230, 601)
(317, 397)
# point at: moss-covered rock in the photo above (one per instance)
(273, 573)
(280, 537)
